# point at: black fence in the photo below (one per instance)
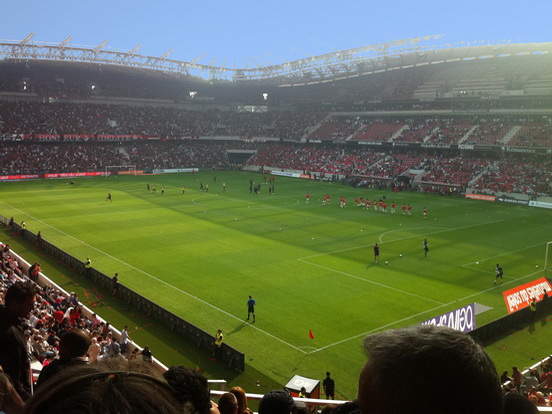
(513, 322)
(191, 333)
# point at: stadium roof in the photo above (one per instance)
(343, 64)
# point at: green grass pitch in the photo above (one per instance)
(308, 266)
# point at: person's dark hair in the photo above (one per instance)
(73, 344)
(350, 407)
(328, 409)
(277, 402)
(228, 403)
(20, 291)
(190, 388)
(242, 399)
(515, 403)
(95, 388)
(428, 369)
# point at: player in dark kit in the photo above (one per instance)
(329, 387)
(499, 274)
(376, 253)
(426, 247)
(251, 308)
(109, 198)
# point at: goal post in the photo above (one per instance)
(548, 260)
(129, 169)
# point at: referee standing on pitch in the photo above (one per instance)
(251, 308)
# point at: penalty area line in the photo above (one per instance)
(379, 328)
(503, 254)
(371, 282)
(401, 238)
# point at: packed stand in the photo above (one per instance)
(165, 121)
(377, 130)
(39, 158)
(450, 131)
(489, 132)
(533, 134)
(510, 176)
(335, 130)
(395, 164)
(417, 131)
(453, 170)
(533, 384)
(316, 159)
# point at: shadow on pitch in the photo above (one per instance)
(238, 328)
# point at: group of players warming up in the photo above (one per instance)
(380, 205)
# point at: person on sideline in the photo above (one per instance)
(329, 387)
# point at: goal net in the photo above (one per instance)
(120, 169)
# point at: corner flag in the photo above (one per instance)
(311, 336)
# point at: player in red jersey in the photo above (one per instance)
(307, 198)
(403, 208)
(409, 209)
(368, 204)
(384, 207)
(393, 205)
(424, 213)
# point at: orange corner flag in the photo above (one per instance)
(311, 336)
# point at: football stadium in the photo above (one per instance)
(256, 224)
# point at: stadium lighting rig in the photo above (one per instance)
(329, 67)
(62, 45)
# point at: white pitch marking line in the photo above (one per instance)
(160, 280)
(372, 282)
(411, 228)
(137, 210)
(242, 204)
(418, 314)
(504, 254)
(400, 239)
